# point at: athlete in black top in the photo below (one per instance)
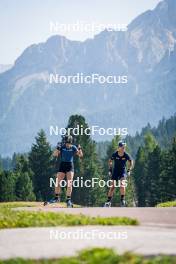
(118, 172)
(120, 159)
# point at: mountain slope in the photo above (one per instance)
(146, 53)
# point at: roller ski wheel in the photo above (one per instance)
(52, 201)
(107, 204)
(123, 203)
(69, 204)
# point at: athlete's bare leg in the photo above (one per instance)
(122, 191)
(112, 189)
(59, 177)
(122, 186)
(69, 176)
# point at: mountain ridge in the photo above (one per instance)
(143, 53)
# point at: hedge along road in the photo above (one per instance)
(147, 216)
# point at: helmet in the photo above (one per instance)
(68, 139)
(121, 144)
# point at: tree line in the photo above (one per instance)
(26, 177)
(29, 174)
(155, 172)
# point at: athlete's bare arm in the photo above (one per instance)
(110, 163)
(130, 165)
(79, 153)
(56, 153)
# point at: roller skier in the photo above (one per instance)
(118, 172)
(66, 151)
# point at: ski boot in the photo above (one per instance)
(123, 203)
(69, 204)
(107, 204)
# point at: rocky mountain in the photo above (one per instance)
(5, 67)
(145, 53)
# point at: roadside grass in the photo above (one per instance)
(30, 204)
(97, 256)
(20, 218)
(167, 204)
(18, 204)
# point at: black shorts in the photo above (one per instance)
(66, 167)
(118, 176)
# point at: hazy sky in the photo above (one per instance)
(24, 22)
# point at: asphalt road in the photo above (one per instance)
(155, 235)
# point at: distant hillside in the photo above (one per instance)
(146, 53)
(163, 133)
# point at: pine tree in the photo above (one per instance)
(21, 163)
(168, 174)
(149, 143)
(14, 159)
(7, 186)
(24, 175)
(24, 188)
(172, 179)
(40, 158)
(6, 163)
(140, 176)
(153, 172)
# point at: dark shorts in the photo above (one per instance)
(118, 176)
(66, 167)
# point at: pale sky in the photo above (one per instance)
(25, 22)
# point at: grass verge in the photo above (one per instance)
(167, 204)
(13, 218)
(19, 204)
(97, 256)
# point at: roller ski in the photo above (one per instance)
(107, 204)
(52, 201)
(69, 204)
(123, 203)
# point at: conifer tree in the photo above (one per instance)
(40, 158)
(24, 176)
(7, 186)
